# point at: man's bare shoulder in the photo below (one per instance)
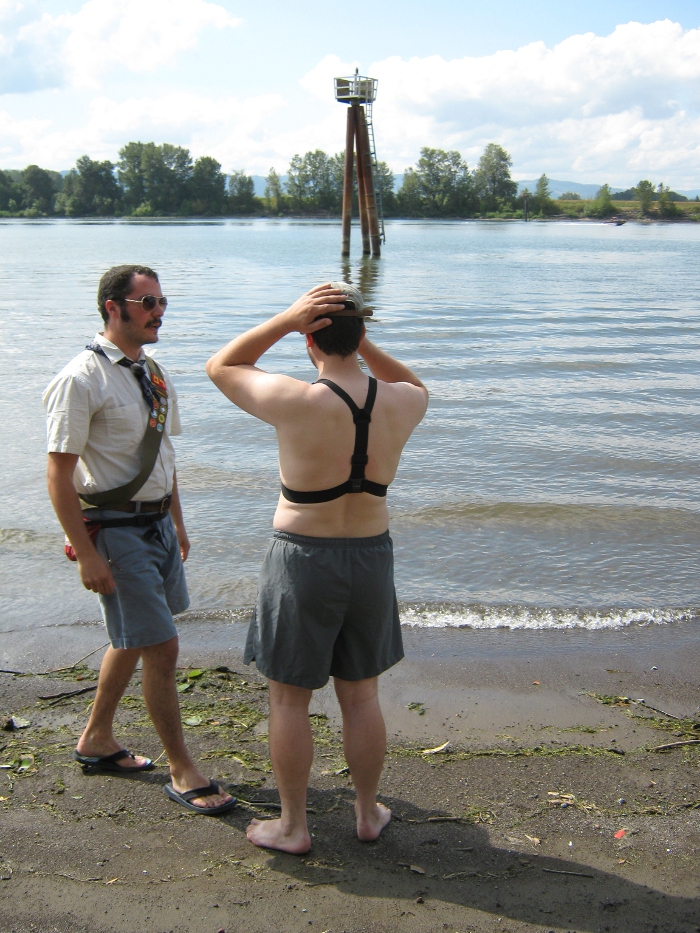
(268, 396)
(406, 396)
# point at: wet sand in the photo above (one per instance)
(511, 828)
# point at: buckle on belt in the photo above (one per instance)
(165, 504)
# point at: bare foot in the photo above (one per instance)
(269, 834)
(102, 749)
(370, 825)
(192, 778)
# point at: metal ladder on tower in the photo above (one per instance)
(375, 169)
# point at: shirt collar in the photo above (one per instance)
(113, 353)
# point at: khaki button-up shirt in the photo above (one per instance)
(95, 409)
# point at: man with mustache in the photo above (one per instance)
(111, 479)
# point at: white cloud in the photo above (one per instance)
(139, 35)
(78, 48)
(616, 104)
(230, 129)
(319, 81)
(593, 108)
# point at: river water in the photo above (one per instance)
(553, 483)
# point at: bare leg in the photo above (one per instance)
(116, 669)
(162, 702)
(364, 743)
(291, 753)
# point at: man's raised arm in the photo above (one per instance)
(385, 367)
(233, 370)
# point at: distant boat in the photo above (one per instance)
(616, 221)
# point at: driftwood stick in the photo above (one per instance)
(60, 670)
(575, 874)
(663, 712)
(68, 693)
(662, 748)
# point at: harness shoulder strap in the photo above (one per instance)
(362, 418)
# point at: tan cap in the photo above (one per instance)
(354, 304)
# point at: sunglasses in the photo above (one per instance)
(148, 302)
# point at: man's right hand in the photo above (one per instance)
(96, 574)
(301, 316)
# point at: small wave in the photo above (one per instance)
(20, 538)
(195, 478)
(528, 513)
(533, 618)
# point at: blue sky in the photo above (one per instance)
(589, 92)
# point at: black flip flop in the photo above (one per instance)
(111, 762)
(184, 798)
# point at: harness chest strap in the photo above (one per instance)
(357, 481)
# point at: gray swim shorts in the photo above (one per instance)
(150, 582)
(326, 607)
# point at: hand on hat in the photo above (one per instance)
(323, 299)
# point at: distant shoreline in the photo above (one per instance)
(627, 216)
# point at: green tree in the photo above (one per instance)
(667, 206)
(273, 192)
(312, 183)
(206, 188)
(384, 185)
(569, 196)
(542, 201)
(89, 189)
(444, 183)
(38, 190)
(409, 196)
(10, 193)
(336, 165)
(241, 193)
(492, 177)
(131, 175)
(154, 178)
(602, 206)
(644, 193)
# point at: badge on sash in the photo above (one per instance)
(152, 423)
(160, 427)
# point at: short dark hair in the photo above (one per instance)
(341, 338)
(115, 285)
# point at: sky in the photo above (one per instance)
(595, 92)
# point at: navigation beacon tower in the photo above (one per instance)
(360, 93)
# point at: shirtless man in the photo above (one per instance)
(326, 603)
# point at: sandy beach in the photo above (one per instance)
(549, 809)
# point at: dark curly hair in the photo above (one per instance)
(115, 285)
(341, 338)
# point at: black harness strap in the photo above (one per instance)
(357, 482)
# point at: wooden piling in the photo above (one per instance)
(364, 157)
(361, 182)
(348, 179)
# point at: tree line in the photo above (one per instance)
(163, 180)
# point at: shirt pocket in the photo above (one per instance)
(122, 424)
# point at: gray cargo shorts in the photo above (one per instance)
(326, 607)
(149, 578)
